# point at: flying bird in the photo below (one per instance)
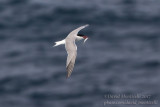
(71, 47)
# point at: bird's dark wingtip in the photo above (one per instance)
(67, 76)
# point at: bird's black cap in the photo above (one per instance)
(81, 35)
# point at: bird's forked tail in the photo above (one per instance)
(59, 43)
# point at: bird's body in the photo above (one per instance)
(71, 48)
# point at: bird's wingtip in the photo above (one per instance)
(67, 77)
(86, 25)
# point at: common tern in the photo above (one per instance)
(71, 47)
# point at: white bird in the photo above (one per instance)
(71, 47)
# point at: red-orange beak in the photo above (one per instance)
(85, 37)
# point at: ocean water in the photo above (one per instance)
(122, 55)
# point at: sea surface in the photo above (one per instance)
(121, 56)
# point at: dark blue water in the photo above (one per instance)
(122, 55)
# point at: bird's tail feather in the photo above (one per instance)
(59, 43)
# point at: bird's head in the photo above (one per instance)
(83, 37)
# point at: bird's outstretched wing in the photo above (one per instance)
(75, 32)
(72, 53)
